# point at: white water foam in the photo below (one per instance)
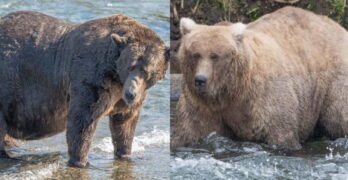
(5, 5)
(35, 173)
(333, 156)
(203, 164)
(179, 163)
(208, 166)
(155, 137)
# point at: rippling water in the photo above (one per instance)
(46, 159)
(217, 157)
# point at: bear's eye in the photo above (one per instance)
(196, 55)
(142, 69)
(140, 59)
(131, 68)
(214, 56)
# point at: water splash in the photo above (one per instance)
(36, 172)
(207, 164)
(153, 138)
(5, 5)
(216, 157)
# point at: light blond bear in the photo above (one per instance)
(279, 80)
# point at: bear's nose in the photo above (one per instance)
(130, 95)
(200, 81)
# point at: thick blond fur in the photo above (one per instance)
(284, 80)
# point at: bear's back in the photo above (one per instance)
(296, 38)
(291, 24)
(29, 31)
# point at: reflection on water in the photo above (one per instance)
(217, 157)
(46, 158)
(123, 170)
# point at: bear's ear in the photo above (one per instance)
(117, 39)
(238, 30)
(186, 25)
(167, 53)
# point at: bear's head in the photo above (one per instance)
(143, 61)
(212, 59)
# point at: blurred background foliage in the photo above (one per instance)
(213, 11)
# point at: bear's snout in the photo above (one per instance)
(130, 96)
(200, 83)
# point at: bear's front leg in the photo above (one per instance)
(193, 122)
(80, 131)
(84, 113)
(3, 131)
(283, 138)
(122, 127)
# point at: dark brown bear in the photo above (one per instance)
(56, 75)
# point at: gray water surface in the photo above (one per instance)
(46, 158)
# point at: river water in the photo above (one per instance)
(46, 158)
(217, 157)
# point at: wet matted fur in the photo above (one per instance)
(57, 75)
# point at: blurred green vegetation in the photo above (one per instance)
(212, 11)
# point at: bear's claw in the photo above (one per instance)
(78, 164)
(3, 154)
(120, 155)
